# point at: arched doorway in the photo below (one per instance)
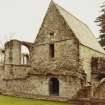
(54, 87)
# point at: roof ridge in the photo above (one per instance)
(72, 15)
(89, 39)
(76, 19)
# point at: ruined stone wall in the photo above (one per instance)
(98, 71)
(69, 86)
(65, 44)
(31, 85)
(66, 56)
(65, 62)
(13, 52)
(85, 56)
(1, 71)
(1, 77)
(55, 31)
(15, 71)
(100, 92)
(39, 85)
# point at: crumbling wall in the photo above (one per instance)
(1, 77)
(12, 69)
(15, 71)
(54, 30)
(39, 85)
(30, 85)
(98, 65)
(98, 71)
(64, 65)
(13, 52)
(86, 55)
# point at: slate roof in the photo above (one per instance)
(81, 30)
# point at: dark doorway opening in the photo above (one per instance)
(54, 87)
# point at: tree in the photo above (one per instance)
(101, 23)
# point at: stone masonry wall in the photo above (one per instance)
(65, 44)
(65, 62)
(13, 52)
(85, 56)
(55, 31)
(66, 59)
(1, 76)
(15, 71)
(39, 85)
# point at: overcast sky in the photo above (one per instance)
(21, 19)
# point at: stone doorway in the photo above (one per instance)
(54, 87)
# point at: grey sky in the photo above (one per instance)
(21, 19)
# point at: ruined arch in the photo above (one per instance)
(54, 87)
(25, 54)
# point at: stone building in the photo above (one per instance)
(65, 60)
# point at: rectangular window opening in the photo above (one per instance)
(51, 48)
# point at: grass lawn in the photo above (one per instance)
(6, 100)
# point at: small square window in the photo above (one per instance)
(51, 33)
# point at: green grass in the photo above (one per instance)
(6, 100)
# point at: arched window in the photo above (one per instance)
(25, 58)
(54, 87)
